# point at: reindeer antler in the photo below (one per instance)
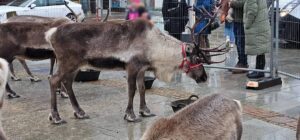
(199, 19)
(192, 30)
(216, 49)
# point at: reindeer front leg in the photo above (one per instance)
(131, 81)
(11, 93)
(144, 110)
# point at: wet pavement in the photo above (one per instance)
(105, 101)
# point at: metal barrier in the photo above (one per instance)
(289, 34)
(285, 33)
(283, 58)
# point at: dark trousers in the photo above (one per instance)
(239, 33)
(260, 61)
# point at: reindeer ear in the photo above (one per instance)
(189, 48)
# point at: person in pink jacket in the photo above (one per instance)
(137, 10)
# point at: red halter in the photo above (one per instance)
(184, 61)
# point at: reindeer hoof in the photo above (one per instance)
(35, 79)
(147, 114)
(56, 120)
(131, 118)
(81, 115)
(13, 95)
(64, 95)
(14, 78)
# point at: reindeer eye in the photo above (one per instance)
(188, 49)
(197, 59)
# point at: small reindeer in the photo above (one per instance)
(4, 72)
(211, 118)
(25, 40)
(32, 19)
(38, 19)
(34, 37)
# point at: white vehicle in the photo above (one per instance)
(44, 8)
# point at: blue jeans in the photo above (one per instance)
(85, 5)
(228, 31)
(239, 33)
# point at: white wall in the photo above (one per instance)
(158, 4)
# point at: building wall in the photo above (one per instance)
(158, 4)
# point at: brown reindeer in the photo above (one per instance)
(32, 19)
(26, 41)
(46, 21)
(135, 46)
(211, 118)
(4, 72)
(38, 19)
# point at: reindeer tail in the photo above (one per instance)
(49, 34)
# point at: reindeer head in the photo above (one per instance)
(192, 64)
(196, 56)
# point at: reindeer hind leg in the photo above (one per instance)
(65, 73)
(78, 111)
(31, 76)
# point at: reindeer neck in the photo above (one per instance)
(164, 53)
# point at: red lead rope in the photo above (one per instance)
(184, 61)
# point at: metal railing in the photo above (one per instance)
(280, 39)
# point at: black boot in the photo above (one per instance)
(260, 64)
